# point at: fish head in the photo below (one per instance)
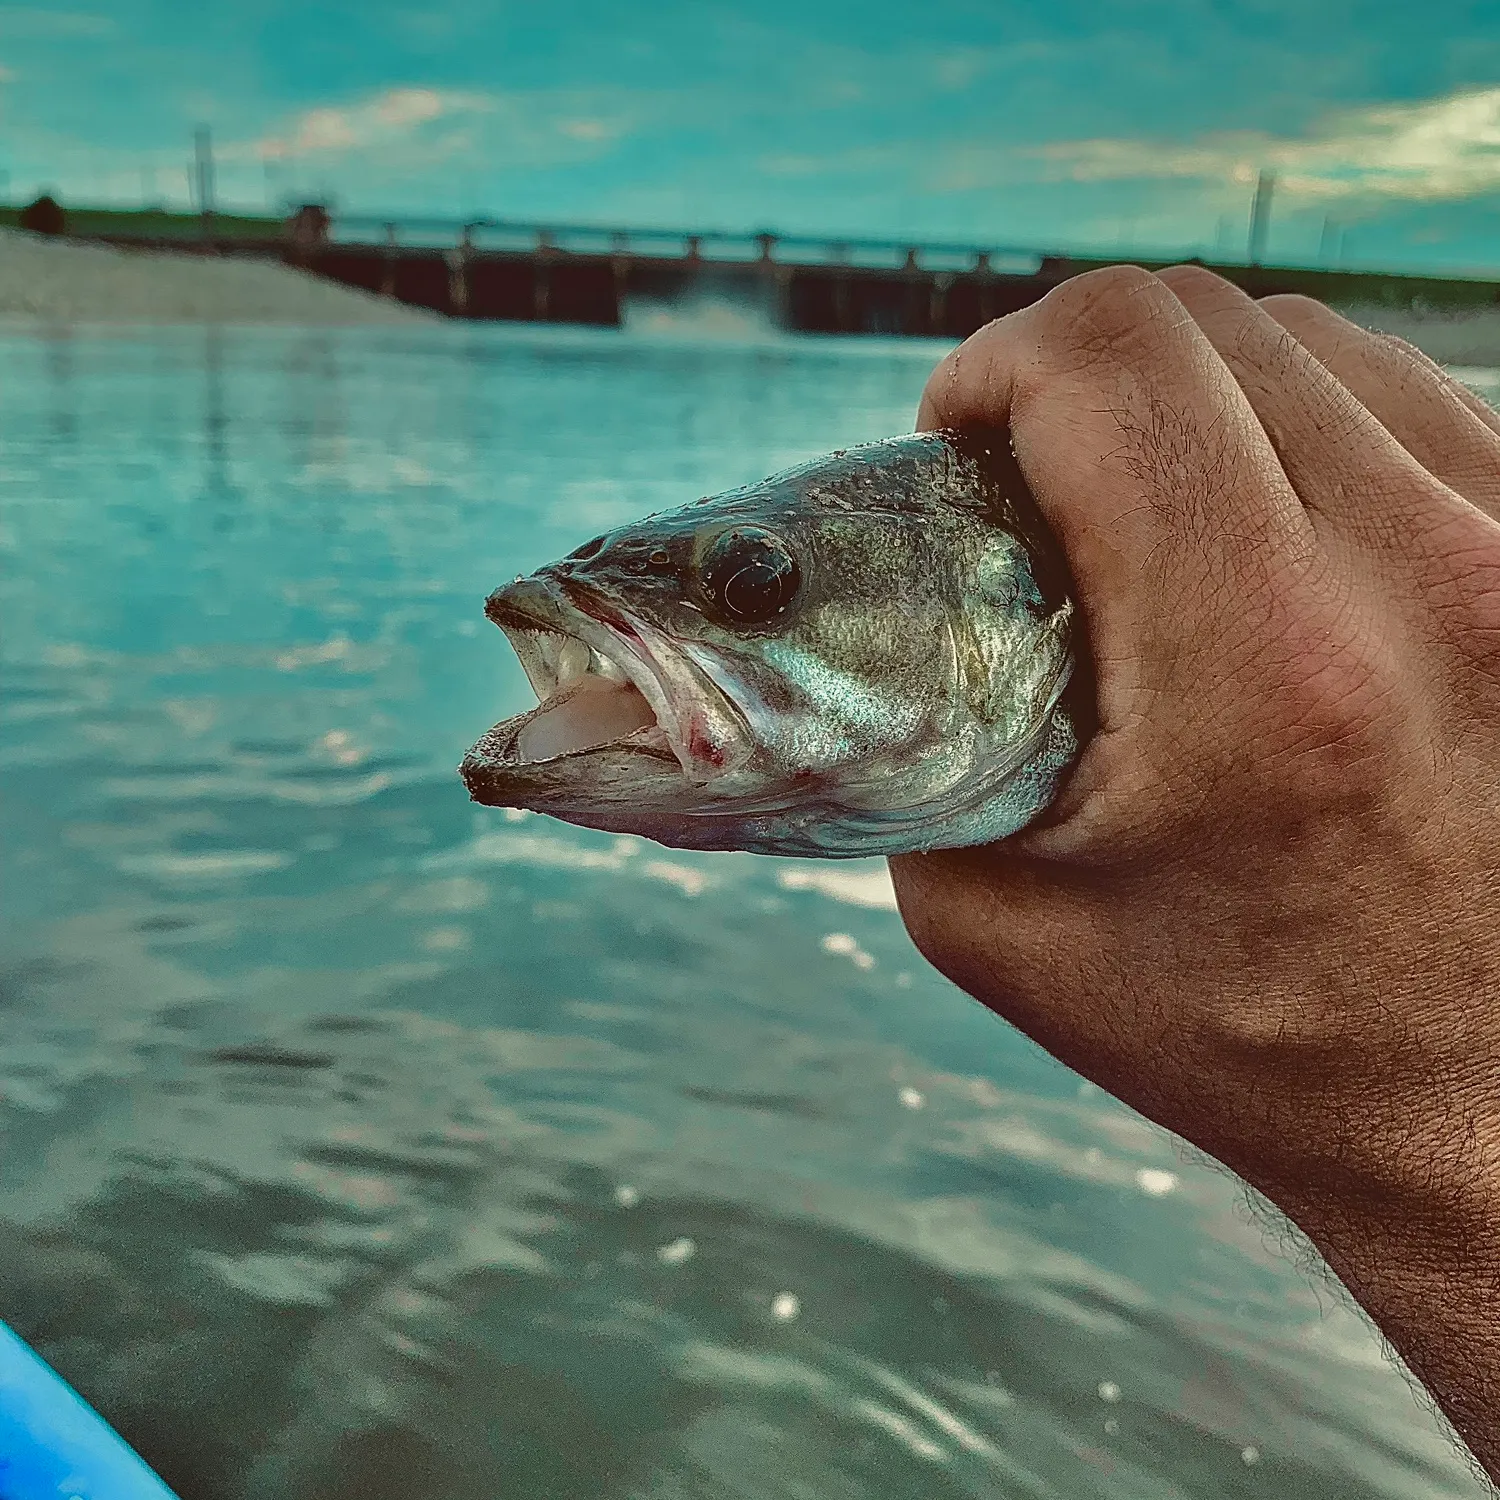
(751, 670)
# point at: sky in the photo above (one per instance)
(1108, 126)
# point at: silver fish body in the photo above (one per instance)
(869, 654)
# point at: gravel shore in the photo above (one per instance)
(55, 281)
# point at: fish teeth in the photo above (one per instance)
(561, 660)
(604, 667)
(574, 659)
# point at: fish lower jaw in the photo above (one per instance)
(635, 766)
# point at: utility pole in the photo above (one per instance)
(1329, 239)
(1260, 215)
(203, 162)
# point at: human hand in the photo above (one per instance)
(1266, 910)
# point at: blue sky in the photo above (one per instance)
(1114, 125)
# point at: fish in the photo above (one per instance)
(872, 653)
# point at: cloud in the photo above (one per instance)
(408, 141)
(332, 130)
(588, 130)
(408, 128)
(1427, 151)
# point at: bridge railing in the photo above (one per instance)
(481, 234)
(313, 224)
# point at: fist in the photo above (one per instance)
(1266, 909)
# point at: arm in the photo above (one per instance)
(1266, 911)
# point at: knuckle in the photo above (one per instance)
(1107, 297)
(1307, 378)
(1312, 323)
(1293, 310)
(1105, 310)
(1404, 352)
(1328, 333)
(1336, 415)
(1106, 282)
(1191, 283)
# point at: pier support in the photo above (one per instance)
(388, 270)
(458, 273)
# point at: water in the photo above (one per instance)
(362, 1143)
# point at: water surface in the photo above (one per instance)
(362, 1143)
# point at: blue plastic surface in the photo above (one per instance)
(54, 1445)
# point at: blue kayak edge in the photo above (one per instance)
(54, 1445)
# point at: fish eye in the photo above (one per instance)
(749, 576)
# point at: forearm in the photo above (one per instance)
(1443, 1323)
(1422, 1257)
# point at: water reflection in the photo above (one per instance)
(422, 1284)
(63, 419)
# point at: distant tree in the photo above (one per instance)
(44, 216)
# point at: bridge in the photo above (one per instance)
(499, 269)
(588, 274)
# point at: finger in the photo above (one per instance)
(1444, 425)
(1360, 484)
(1298, 313)
(1108, 379)
(1180, 528)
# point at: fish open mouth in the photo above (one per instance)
(602, 684)
(585, 697)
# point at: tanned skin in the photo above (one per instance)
(1266, 911)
